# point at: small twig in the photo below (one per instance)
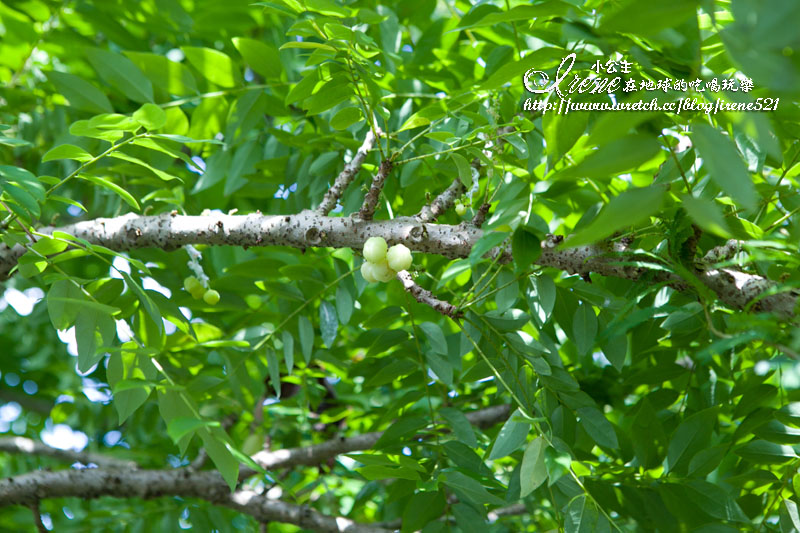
(372, 196)
(442, 203)
(37, 517)
(346, 176)
(480, 215)
(426, 297)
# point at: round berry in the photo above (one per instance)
(399, 257)
(198, 292)
(461, 209)
(367, 273)
(375, 249)
(382, 272)
(191, 284)
(211, 297)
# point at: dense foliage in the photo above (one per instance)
(630, 294)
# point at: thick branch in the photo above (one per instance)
(442, 203)
(425, 296)
(22, 445)
(374, 193)
(736, 289)
(346, 176)
(308, 229)
(89, 483)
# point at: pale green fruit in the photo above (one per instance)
(211, 297)
(367, 272)
(399, 257)
(191, 284)
(461, 209)
(382, 272)
(375, 249)
(198, 291)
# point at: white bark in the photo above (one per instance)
(90, 483)
(309, 229)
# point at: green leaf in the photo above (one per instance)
(551, 8)
(526, 248)
(435, 335)
(464, 169)
(214, 65)
(84, 304)
(789, 517)
(181, 426)
(328, 323)
(344, 304)
(648, 17)
(346, 117)
(172, 77)
(724, 164)
(288, 350)
(533, 471)
(627, 209)
(486, 243)
(129, 364)
(691, 436)
(262, 57)
(584, 328)
(598, 427)
(764, 452)
(60, 303)
(327, 7)
(135, 160)
(396, 433)
(116, 189)
(614, 158)
(147, 304)
(80, 93)
(471, 489)
(561, 132)
(460, 425)
(512, 435)
(151, 116)
(67, 151)
(582, 516)
(49, 246)
(215, 442)
(707, 215)
(423, 507)
(274, 368)
(306, 331)
(119, 72)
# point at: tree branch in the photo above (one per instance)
(22, 445)
(442, 203)
(308, 229)
(374, 193)
(346, 176)
(90, 483)
(736, 289)
(319, 453)
(426, 297)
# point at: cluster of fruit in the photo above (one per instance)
(383, 263)
(196, 289)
